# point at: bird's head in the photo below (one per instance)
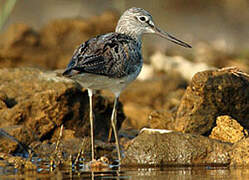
(136, 22)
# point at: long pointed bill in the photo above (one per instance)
(171, 38)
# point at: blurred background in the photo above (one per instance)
(44, 33)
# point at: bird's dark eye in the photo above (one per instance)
(142, 18)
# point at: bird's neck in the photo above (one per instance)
(123, 27)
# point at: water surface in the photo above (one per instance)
(127, 173)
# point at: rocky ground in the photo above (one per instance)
(43, 114)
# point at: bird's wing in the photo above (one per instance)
(103, 55)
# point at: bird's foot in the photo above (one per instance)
(101, 163)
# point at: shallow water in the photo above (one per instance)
(127, 173)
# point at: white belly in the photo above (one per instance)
(99, 82)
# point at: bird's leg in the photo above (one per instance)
(113, 121)
(90, 94)
(110, 134)
(110, 130)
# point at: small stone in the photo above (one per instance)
(228, 130)
(99, 164)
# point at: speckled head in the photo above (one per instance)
(136, 21)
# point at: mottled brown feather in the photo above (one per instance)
(114, 55)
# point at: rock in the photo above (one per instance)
(53, 45)
(41, 101)
(228, 130)
(64, 33)
(240, 153)
(211, 94)
(186, 68)
(152, 148)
